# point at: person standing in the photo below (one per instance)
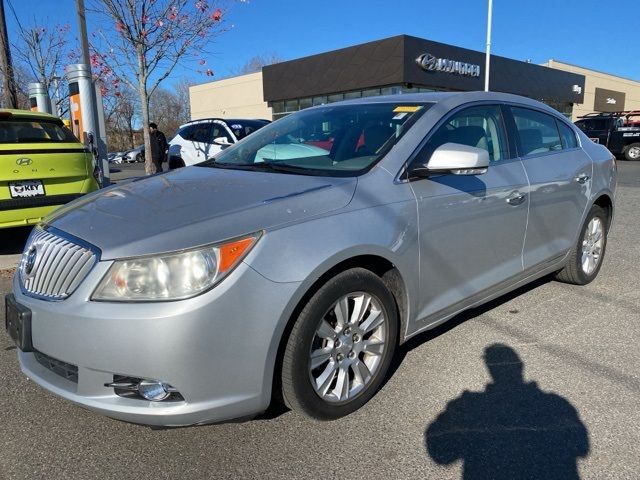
(159, 146)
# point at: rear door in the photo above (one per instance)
(560, 176)
(194, 146)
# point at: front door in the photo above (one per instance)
(471, 228)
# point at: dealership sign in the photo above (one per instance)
(608, 100)
(431, 63)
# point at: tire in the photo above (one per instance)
(369, 342)
(175, 162)
(632, 152)
(576, 271)
(139, 158)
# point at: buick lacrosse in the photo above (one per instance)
(293, 263)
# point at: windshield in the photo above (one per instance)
(336, 140)
(34, 131)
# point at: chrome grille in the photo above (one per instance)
(52, 267)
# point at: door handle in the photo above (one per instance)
(516, 198)
(582, 178)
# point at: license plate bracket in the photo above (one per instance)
(26, 189)
(18, 323)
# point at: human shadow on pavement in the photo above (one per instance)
(511, 430)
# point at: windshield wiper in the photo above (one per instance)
(270, 167)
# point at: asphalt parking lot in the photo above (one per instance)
(439, 413)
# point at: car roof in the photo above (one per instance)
(450, 99)
(28, 114)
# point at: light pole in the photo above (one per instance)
(488, 54)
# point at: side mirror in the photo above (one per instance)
(224, 141)
(457, 159)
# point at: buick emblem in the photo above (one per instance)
(24, 161)
(30, 261)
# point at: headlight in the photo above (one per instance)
(172, 276)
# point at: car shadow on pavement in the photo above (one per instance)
(511, 429)
(428, 335)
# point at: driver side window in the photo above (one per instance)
(480, 127)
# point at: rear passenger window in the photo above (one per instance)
(220, 131)
(538, 131)
(198, 132)
(568, 136)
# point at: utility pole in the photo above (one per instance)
(9, 96)
(487, 62)
(92, 115)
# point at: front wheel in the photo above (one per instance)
(632, 152)
(586, 256)
(340, 347)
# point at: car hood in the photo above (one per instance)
(196, 206)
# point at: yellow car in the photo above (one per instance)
(42, 166)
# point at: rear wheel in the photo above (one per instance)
(340, 347)
(586, 256)
(632, 152)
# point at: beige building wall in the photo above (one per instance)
(236, 97)
(595, 79)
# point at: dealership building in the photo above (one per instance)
(406, 64)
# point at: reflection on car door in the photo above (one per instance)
(471, 236)
(560, 176)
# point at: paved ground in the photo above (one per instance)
(578, 344)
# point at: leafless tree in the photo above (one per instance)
(44, 51)
(169, 109)
(146, 39)
(256, 63)
(121, 116)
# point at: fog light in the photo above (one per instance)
(153, 390)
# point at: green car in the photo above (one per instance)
(42, 166)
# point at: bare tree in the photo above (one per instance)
(151, 37)
(121, 115)
(169, 109)
(255, 64)
(44, 51)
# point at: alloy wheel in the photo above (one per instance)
(592, 245)
(348, 346)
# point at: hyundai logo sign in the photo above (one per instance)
(431, 63)
(24, 161)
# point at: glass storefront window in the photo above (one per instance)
(338, 97)
(372, 92)
(319, 100)
(305, 103)
(351, 95)
(278, 107)
(291, 106)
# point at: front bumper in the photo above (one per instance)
(217, 349)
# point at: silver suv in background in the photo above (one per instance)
(199, 140)
(188, 297)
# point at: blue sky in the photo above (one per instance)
(589, 33)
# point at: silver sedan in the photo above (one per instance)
(293, 263)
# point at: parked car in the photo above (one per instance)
(199, 140)
(42, 166)
(134, 156)
(192, 295)
(116, 157)
(619, 132)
